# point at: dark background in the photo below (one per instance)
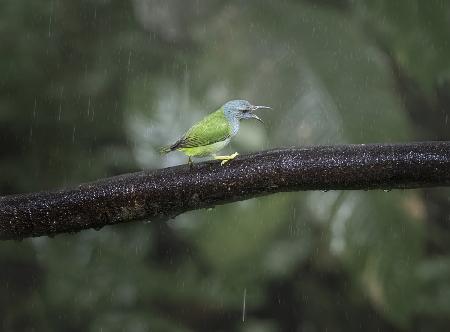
(92, 88)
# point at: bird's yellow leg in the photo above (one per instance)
(226, 159)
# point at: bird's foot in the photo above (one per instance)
(226, 159)
(190, 163)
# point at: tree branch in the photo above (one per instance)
(166, 193)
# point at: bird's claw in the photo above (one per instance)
(226, 159)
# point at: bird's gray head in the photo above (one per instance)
(242, 109)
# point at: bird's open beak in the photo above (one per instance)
(254, 116)
(254, 108)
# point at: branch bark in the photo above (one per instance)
(165, 193)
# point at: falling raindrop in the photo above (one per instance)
(244, 304)
(129, 62)
(89, 107)
(34, 108)
(50, 26)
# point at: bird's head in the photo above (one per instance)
(242, 109)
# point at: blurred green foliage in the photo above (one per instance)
(91, 88)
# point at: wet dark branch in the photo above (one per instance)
(166, 193)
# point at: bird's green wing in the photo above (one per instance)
(212, 129)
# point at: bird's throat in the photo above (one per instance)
(234, 123)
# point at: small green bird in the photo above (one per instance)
(215, 131)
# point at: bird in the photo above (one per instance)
(214, 132)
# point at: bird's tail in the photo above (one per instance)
(165, 149)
